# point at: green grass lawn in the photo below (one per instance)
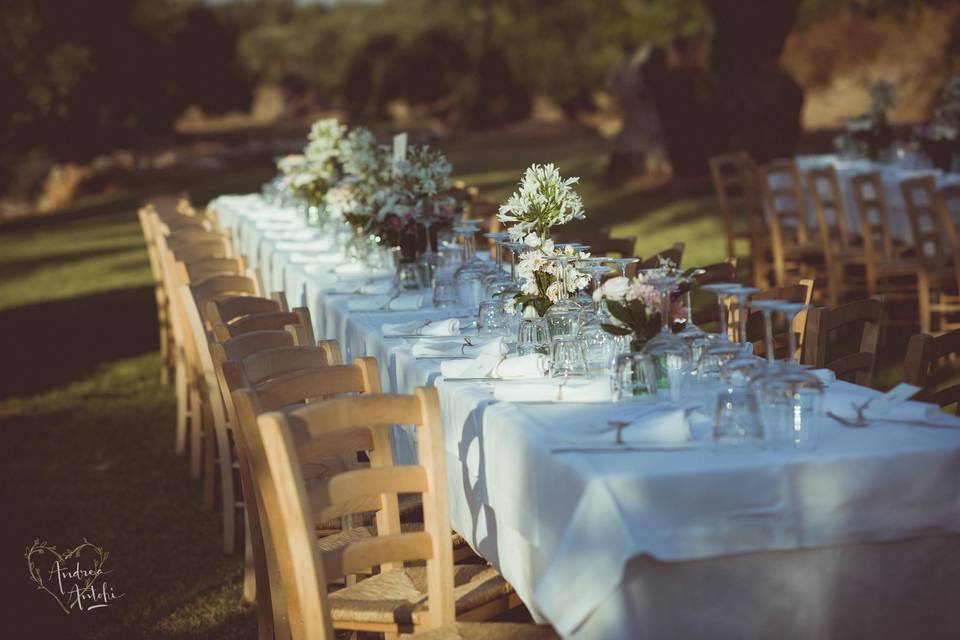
(88, 430)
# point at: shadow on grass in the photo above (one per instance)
(54, 343)
(26, 266)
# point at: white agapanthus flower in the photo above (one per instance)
(422, 179)
(542, 259)
(323, 144)
(543, 200)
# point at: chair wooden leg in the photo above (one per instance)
(196, 434)
(227, 493)
(209, 471)
(164, 351)
(923, 301)
(183, 406)
(249, 568)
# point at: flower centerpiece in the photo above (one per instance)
(872, 130)
(544, 200)
(940, 138)
(635, 307)
(416, 200)
(364, 187)
(310, 175)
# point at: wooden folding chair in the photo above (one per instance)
(727, 172)
(213, 440)
(822, 322)
(843, 252)
(794, 253)
(402, 597)
(920, 367)
(936, 277)
(890, 269)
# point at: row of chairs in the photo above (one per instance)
(307, 437)
(772, 198)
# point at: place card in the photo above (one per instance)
(879, 405)
(399, 149)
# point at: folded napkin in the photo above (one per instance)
(469, 347)
(301, 235)
(351, 267)
(310, 244)
(533, 365)
(378, 287)
(556, 390)
(843, 404)
(281, 224)
(448, 327)
(328, 259)
(657, 424)
(386, 303)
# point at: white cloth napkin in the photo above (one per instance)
(351, 267)
(311, 244)
(300, 257)
(291, 235)
(656, 424)
(533, 365)
(842, 403)
(280, 224)
(448, 327)
(386, 303)
(555, 390)
(459, 348)
(376, 288)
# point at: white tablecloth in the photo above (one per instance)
(857, 539)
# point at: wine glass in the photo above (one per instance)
(623, 263)
(792, 398)
(695, 337)
(672, 357)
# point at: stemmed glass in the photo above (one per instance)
(497, 237)
(695, 337)
(792, 398)
(600, 346)
(515, 249)
(672, 357)
(623, 263)
(563, 316)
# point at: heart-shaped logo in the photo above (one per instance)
(74, 578)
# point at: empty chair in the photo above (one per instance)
(793, 250)
(267, 321)
(936, 277)
(272, 379)
(733, 195)
(921, 367)
(820, 350)
(213, 437)
(418, 586)
(888, 267)
(842, 250)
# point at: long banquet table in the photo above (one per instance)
(856, 539)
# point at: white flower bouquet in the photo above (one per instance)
(543, 200)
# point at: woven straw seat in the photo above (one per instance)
(343, 538)
(400, 597)
(489, 631)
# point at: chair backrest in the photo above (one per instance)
(920, 199)
(228, 308)
(822, 322)
(823, 185)
(784, 207)
(196, 270)
(727, 172)
(292, 508)
(948, 206)
(802, 292)
(726, 271)
(923, 354)
(871, 199)
(271, 320)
